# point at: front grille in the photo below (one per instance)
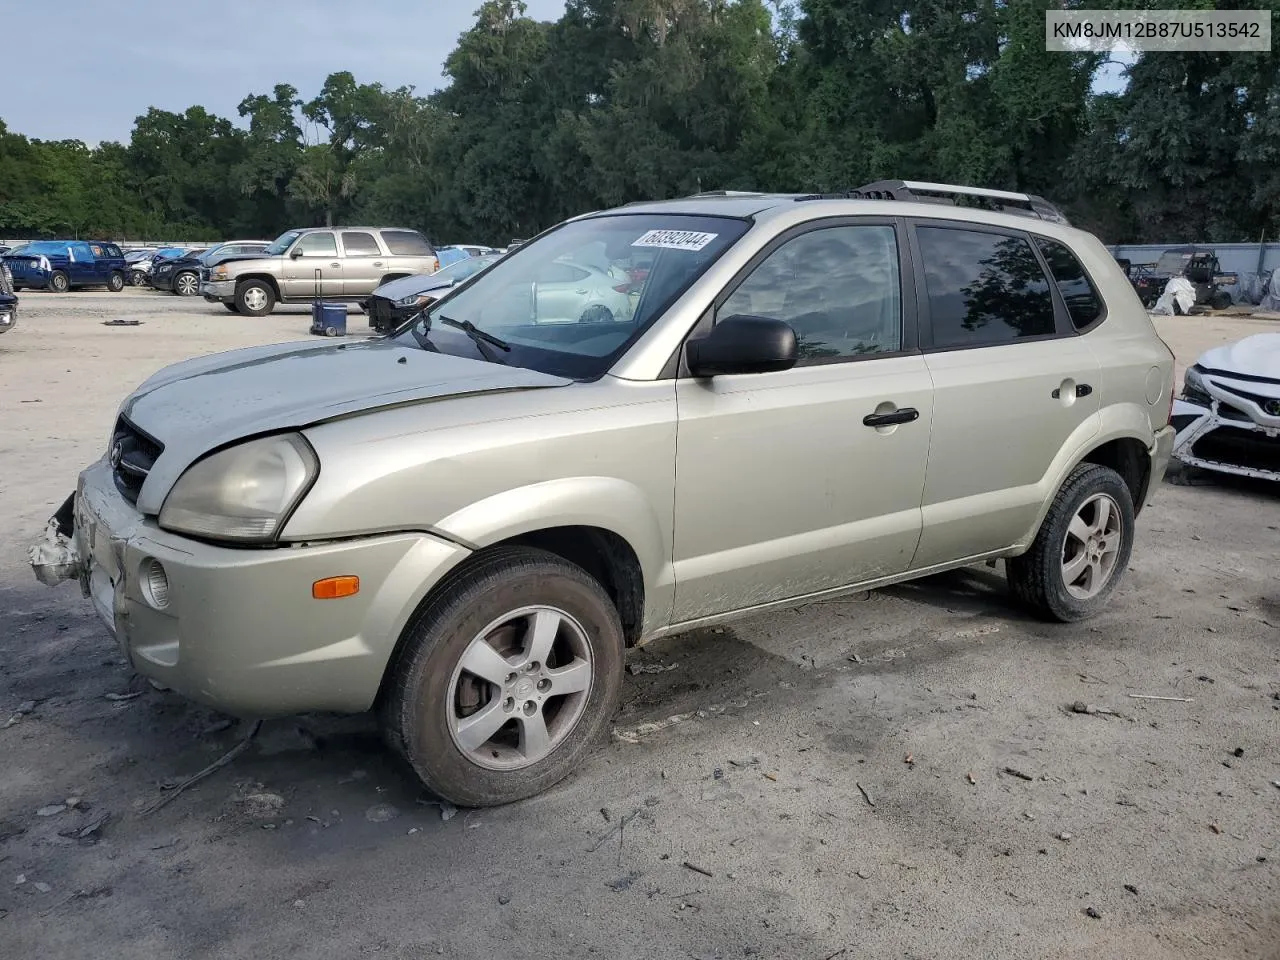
(133, 454)
(1241, 448)
(1269, 405)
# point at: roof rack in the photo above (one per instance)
(725, 193)
(918, 191)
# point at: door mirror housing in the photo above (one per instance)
(295, 253)
(743, 344)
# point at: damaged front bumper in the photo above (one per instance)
(240, 629)
(1227, 438)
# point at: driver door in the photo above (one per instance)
(782, 489)
(312, 267)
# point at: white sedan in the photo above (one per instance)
(1228, 417)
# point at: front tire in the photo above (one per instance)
(186, 284)
(255, 298)
(232, 307)
(1082, 550)
(137, 278)
(59, 282)
(115, 282)
(505, 679)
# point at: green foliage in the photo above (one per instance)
(623, 100)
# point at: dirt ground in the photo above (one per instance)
(756, 800)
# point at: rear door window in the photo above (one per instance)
(1084, 305)
(359, 244)
(406, 243)
(984, 288)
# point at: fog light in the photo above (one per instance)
(155, 584)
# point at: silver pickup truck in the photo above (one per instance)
(329, 263)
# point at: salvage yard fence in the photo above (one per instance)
(1252, 262)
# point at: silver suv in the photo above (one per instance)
(328, 263)
(464, 524)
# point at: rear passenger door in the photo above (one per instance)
(363, 262)
(1014, 384)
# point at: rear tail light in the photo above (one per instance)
(623, 288)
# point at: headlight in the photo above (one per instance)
(1194, 389)
(243, 493)
(220, 272)
(412, 300)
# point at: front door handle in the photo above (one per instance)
(903, 415)
(377, 263)
(1082, 390)
(335, 265)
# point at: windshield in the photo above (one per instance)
(457, 272)
(1173, 261)
(40, 247)
(280, 244)
(572, 301)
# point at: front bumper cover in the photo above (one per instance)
(1227, 438)
(239, 629)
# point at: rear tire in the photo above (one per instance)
(1082, 550)
(255, 298)
(137, 278)
(115, 282)
(59, 282)
(483, 737)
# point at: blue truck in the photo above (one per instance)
(60, 265)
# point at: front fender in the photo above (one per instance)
(605, 502)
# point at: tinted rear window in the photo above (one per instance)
(358, 244)
(984, 288)
(1082, 300)
(406, 243)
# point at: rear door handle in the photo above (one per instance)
(1082, 390)
(335, 265)
(904, 415)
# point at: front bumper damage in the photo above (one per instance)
(1233, 428)
(240, 630)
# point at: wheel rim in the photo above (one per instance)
(186, 285)
(255, 298)
(1092, 546)
(520, 688)
(59, 284)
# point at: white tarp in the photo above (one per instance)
(1178, 291)
(1272, 299)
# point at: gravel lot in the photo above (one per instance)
(1151, 833)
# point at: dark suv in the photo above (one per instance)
(181, 275)
(59, 265)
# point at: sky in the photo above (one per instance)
(109, 62)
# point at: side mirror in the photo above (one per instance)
(295, 253)
(743, 344)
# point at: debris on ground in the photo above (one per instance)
(1015, 772)
(1088, 708)
(42, 887)
(1151, 696)
(87, 830)
(1131, 888)
(381, 813)
(1093, 913)
(24, 708)
(1215, 828)
(51, 810)
(970, 778)
(697, 869)
(624, 882)
(1238, 752)
(175, 789)
(866, 796)
(636, 669)
(1065, 837)
(503, 900)
(122, 697)
(263, 806)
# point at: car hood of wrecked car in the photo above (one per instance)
(1255, 356)
(200, 405)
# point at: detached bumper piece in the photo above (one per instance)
(55, 558)
(1240, 435)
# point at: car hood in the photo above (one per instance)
(1256, 356)
(208, 402)
(411, 286)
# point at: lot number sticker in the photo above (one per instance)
(675, 239)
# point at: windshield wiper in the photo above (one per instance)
(479, 337)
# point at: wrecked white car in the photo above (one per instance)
(1228, 417)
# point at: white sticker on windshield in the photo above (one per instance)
(675, 239)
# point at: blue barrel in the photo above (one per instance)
(329, 319)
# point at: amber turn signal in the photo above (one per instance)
(335, 588)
